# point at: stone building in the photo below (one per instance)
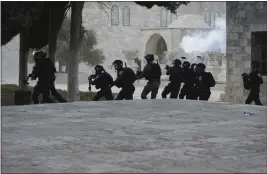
(126, 29)
(246, 41)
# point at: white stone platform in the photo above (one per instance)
(134, 136)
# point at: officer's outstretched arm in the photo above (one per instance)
(139, 75)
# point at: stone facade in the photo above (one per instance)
(114, 39)
(242, 19)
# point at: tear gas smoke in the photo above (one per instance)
(214, 40)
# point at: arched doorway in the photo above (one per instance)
(156, 45)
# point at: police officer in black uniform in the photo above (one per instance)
(125, 80)
(175, 78)
(152, 73)
(189, 80)
(103, 81)
(253, 82)
(205, 81)
(44, 72)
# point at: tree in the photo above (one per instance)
(86, 54)
(169, 5)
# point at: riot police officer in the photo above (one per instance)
(44, 72)
(125, 80)
(103, 81)
(205, 81)
(189, 80)
(175, 78)
(152, 73)
(252, 82)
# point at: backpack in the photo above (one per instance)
(247, 85)
(211, 81)
(130, 75)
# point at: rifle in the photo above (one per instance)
(90, 81)
(26, 80)
(125, 64)
(167, 67)
(157, 61)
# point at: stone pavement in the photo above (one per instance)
(134, 136)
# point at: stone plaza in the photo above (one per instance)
(134, 136)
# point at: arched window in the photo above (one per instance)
(216, 15)
(126, 16)
(207, 17)
(163, 17)
(114, 15)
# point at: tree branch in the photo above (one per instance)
(100, 3)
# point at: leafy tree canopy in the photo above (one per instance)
(87, 52)
(169, 5)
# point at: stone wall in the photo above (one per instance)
(114, 39)
(242, 19)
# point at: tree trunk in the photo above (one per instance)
(60, 66)
(75, 28)
(52, 46)
(23, 59)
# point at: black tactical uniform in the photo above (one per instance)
(253, 82)
(205, 80)
(175, 78)
(44, 72)
(103, 81)
(152, 73)
(189, 79)
(125, 79)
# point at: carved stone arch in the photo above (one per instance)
(156, 45)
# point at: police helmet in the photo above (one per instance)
(39, 54)
(186, 64)
(177, 62)
(201, 65)
(118, 62)
(255, 64)
(99, 68)
(149, 57)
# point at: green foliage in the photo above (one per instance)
(87, 52)
(169, 5)
(7, 97)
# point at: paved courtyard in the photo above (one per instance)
(134, 136)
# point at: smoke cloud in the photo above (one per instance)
(214, 41)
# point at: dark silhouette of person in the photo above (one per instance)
(125, 80)
(103, 81)
(152, 73)
(189, 79)
(44, 72)
(205, 81)
(175, 78)
(253, 82)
